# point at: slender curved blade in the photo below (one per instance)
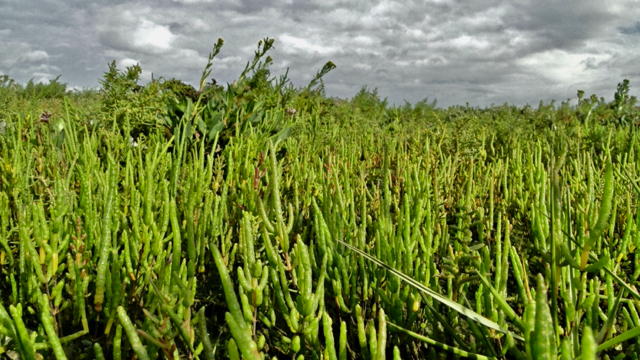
(442, 299)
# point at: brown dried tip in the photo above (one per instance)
(44, 117)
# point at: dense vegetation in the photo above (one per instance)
(259, 220)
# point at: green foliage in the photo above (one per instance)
(254, 102)
(181, 90)
(622, 111)
(624, 106)
(259, 220)
(132, 107)
(368, 102)
(52, 90)
(10, 89)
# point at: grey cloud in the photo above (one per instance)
(630, 30)
(560, 25)
(590, 63)
(482, 51)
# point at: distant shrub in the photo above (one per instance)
(133, 107)
(9, 88)
(53, 90)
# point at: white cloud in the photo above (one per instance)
(198, 25)
(364, 40)
(365, 67)
(34, 56)
(469, 42)
(192, 2)
(149, 34)
(135, 28)
(562, 67)
(292, 45)
(125, 63)
(21, 62)
(42, 77)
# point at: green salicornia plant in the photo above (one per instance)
(262, 221)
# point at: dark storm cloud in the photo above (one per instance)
(481, 52)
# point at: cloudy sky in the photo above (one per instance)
(480, 51)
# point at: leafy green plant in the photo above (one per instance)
(253, 102)
(624, 106)
(132, 107)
